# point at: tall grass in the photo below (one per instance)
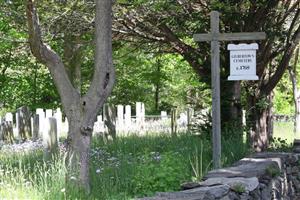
(129, 167)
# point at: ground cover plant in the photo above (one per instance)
(129, 167)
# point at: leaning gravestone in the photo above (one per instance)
(50, 139)
(24, 122)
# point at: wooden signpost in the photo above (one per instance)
(215, 37)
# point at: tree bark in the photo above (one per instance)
(296, 96)
(259, 121)
(81, 111)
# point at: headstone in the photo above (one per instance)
(128, 116)
(97, 125)
(65, 126)
(58, 117)
(182, 121)
(7, 131)
(143, 114)
(35, 126)
(9, 117)
(140, 115)
(24, 122)
(50, 139)
(163, 115)
(120, 117)
(100, 123)
(49, 113)
(40, 112)
(138, 111)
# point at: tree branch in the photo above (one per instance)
(47, 56)
(267, 88)
(104, 72)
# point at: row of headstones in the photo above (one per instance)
(28, 126)
(122, 119)
(38, 125)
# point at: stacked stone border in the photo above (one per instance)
(267, 175)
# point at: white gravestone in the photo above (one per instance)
(49, 113)
(58, 117)
(127, 116)
(9, 117)
(120, 117)
(243, 61)
(138, 110)
(163, 115)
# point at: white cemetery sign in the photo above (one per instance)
(242, 61)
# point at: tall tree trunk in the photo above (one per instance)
(231, 109)
(81, 110)
(157, 86)
(235, 106)
(259, 121)
(296, 95)
(78, 152)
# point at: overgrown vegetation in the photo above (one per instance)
(130, 167)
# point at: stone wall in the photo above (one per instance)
(261, 176)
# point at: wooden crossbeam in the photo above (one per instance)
(230, 36)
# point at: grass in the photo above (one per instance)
(284, 130)
(130, 167)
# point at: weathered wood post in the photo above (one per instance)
(189, 118)
(174, 122)
(214, 37)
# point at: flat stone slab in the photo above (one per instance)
(201, 193)
(249, 184)
(247, 168)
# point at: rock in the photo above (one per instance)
(249, 167)
(295, 170)
(189, 185)
(249, 184)
(266, 193)
(201, 193)
(289, 170)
